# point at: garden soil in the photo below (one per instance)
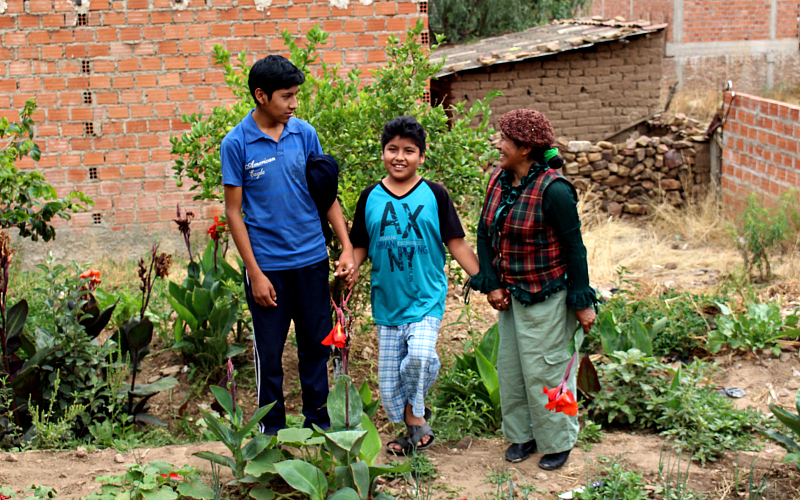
(466, 469)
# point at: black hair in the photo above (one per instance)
(406, 127)
(273, 73)
(537, 156)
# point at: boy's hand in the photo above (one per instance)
(263, 291)
(353, 277)
(345, 266)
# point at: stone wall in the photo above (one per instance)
(761, 152)
(586, 94)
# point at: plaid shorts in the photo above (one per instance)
(407, 365)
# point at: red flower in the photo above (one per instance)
(217, 228)
(559, 399)
(171, 475)
(3, 497)
(94, 279)
(336, 337)
(564, 403)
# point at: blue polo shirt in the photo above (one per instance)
(282, 219)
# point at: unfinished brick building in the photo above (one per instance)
(591, 79)
(113, 77)
(754, 43)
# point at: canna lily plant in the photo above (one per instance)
(340, 334)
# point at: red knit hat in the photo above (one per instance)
(528, 127)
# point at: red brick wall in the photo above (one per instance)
(706, 20)
(761, 152)
(148, 63)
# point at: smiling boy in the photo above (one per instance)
(400, 224)
(280, 239)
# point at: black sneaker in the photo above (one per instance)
(553, 461)
(518, 452)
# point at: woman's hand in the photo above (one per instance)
(499, 299)
(586, 318)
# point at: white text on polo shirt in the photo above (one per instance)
(253, 163)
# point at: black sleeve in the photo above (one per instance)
(359, 236)
(559, 204)
(449, 224)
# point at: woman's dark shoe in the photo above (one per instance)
(518, 452)
(553, 461)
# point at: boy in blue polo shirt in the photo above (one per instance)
(280, 239)
(400, 224)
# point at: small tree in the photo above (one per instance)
(27, 201)
(761, 230)
(349, 116)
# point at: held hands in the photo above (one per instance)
(499, 299)
(263, 291)
(345, 268)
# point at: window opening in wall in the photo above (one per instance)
(425, 38)
(83, 19)
(423, 7)
(426, 96)
(97, 218)
(93, 173)
(88, 128)
(86, 67)
(87, 97)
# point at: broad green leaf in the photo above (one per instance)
(255, 419)
(202, 303)
(255, 446)
(196, 489)
(223, 398)
(264, 462)
(490, 344)
(488, 375)
(183, 313)
(294, 436)
(261, 492)
(344, 405)
(344, 494)
(344, 445)
(304, 477)
(371, 447)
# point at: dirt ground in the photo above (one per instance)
(465, 469)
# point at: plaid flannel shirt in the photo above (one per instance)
(528, 253)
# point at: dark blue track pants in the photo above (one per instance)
(303, 297)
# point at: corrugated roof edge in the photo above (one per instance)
(627, 29)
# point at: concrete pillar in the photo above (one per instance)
(773, 35)
(677, 36)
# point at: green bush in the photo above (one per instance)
(466, 399)
(616, 484)
(463, 20)
(349, 116)
(760, 230)
(27, 201)
(643, 393)
(758, 328)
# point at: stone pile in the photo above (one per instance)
(672, 166)
(625, 177)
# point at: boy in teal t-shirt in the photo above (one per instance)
(400, 224)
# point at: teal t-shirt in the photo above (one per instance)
(404, 238)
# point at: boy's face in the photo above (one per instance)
(401, 157)
(282, 105)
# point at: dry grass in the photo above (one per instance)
(784, 93)
(695, 241)
(697, 103)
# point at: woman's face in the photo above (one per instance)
(510, 154)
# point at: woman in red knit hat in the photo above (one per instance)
(533, 269)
